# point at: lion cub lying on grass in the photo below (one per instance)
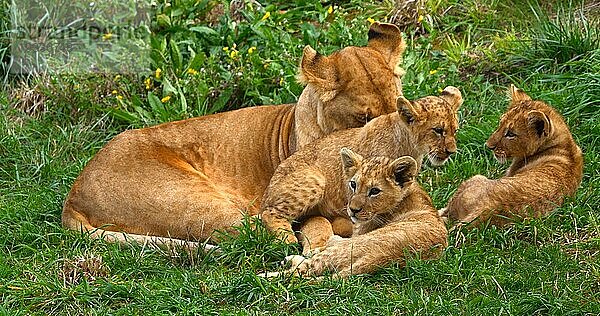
(547, 165)
(310, 182)
(392, 216)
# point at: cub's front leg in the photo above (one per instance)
(426, 235)
(290, 196)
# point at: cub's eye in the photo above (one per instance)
(509, 134)
(374, 191)
(352, 185)
(438, 130)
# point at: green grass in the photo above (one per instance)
(537, 267)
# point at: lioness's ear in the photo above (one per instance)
(403, 170)
(540, 122)
(318, 70)
(453, 96)
(387, 39)
(409, 111)
(350, 159)
(517, 95)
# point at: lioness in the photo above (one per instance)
(392, 216)
(310, 181)
(187, 179)
(547, 166)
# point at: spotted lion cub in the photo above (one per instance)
(311, 182)
(393, 216)
(547, 165)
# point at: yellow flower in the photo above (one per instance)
(117, 77)
(281, 81)
(266, 16)
(225, 49)
(157, 73)
(370, 20)
(114, 92)
(165, 99)
(107, 36)
(432, 72)
(330, 10)
(233, 54)
(148, 83)
(192, 71)
(119, 97)
(420, 19)
(251, 49)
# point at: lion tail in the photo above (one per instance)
(74, 220)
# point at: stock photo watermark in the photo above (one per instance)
(79, 36)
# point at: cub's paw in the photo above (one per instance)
(293, 261)
(334, 238)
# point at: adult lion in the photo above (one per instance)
(184, 180)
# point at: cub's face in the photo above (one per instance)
(434, 122)
(356, 84)
(522, 129)
(376, 185)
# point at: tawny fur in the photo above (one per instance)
(186, 179)
(397, 221)
(311, 183)
(546, 166)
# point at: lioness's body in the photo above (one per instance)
(164, 174)
(189, 178)
(547, 166)
(310, 182)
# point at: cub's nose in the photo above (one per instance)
(450, 152)
(355, 210)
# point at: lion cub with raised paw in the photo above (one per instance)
(547, 165)
(392, 216)
(310, 182)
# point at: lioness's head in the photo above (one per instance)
(355, 84)
(433, 121)
(376, 185)
(523, 128)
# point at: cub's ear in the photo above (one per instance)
(318, 70)
(539, 122)
(350, 159)
(453, 96)
(409, 111)
(517, 95)
(387, 39)
(403, 170)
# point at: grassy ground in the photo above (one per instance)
(52, 125)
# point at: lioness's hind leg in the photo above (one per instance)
(289, 197)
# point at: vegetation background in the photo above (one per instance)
(209, 56)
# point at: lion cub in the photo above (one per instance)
(310, 182)
(547, 166)
(392, 215)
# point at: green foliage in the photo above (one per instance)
(213, 63)
(534, 267)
